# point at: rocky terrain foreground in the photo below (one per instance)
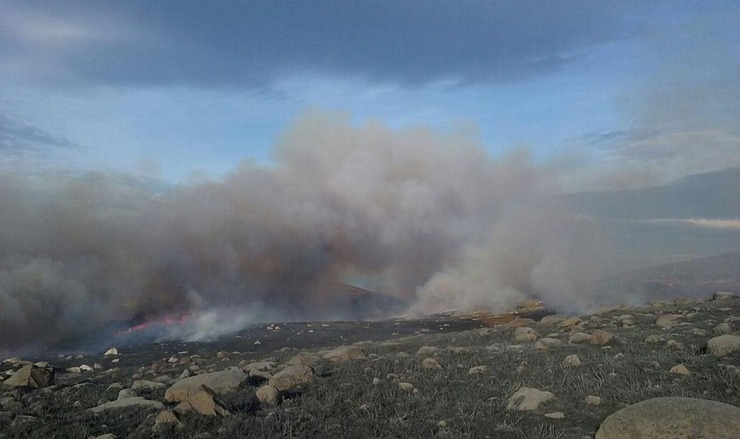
(670, 369)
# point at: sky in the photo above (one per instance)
(621, 93)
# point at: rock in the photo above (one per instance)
(672, 418)
(167, 421)
(407, 387)
(571, 360)
(601, 337)
(519, 322)
(135, 401)
(127, 393)
(261, 366)
(475, 370)
(191, 394)
(679, 369)
(292, 376)
(106, 436)
(593, 400)
(653, 339)
(555, 415)
(430, 363)
(579, 337)
(723, 345)
(31, 376)
(547, 343)
(345, 353)
(528, 399)
(459, 350)
(722, 295)
(110, 352)
(427, 351)
(376, 381)
(674, 344)
(722, 328)
(305, 359)
(12, 361)
(525, 334)
(268, 396)
(667, 320)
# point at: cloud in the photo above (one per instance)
(254, 43)
(21, 137)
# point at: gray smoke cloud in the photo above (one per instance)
(431, 218)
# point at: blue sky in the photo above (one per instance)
(170, 88)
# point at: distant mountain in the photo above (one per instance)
(709, 195)
(348, 302)
(692, 278)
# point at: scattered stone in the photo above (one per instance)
(194, 393)
(569, 322)
(571, 360)
(135, 401)
(376, 381)
(653, 339)
(519, 322)
(430, 363)
(553, 319)
(528, 399)
(579, 337)
(268, 395)
(698, 332)
(674, 344)
(475, 370)
(679, 369)
(127, 393)
(110, 352)
(106, 436)
(459, 350)
(262, 366)
(145, 384)
(555, 415)
(593, 400)
(345, 353)
(292, 376)
(665, 321)
(12, 361)
(31, 376)
(672, 418)
(601, 337)
(723, 345)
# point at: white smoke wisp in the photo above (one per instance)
(428, 217)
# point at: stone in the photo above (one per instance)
(376, 381)
(407, 387)
(722, 295)
(723, 345)
(110, 352)
(345, 353)
(31, 376)
(528, 399)
(292, 376)
(553, 319)
(430, 363)
(672, 418)
(571, 360)
(593, 400)
(127, 393)
(555, 415)
(653, 339)
(145, 384)
(189, 392)
(579, 337)
(665, 321)
(679, 369)
(601, 337)
(268, 395)
(261, 366)
(569, 322)
(135, 401)
(519, 322)
(167, 421)
(12, 361)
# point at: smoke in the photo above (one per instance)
(427, 217)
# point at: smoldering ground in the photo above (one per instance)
(428, 217)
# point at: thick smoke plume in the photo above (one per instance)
(427, 217)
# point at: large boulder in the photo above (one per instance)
(31, 376)
(672, 418)
(292, 376)
(192, 395)
(305, 359)
(135, 401)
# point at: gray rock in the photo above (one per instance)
(528, 399)
(167, 421)
(427, 351)
(191, 394)
(672, 418)
(31, 376)
(292, 376)
(430, 363)
(268, 395)
(547, 343)
(722, 328)
(722, 295)
(667, 320)
(579, 337)
(345, 353)
(305, 359)
(135, 401)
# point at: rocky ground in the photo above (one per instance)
(619, 373)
